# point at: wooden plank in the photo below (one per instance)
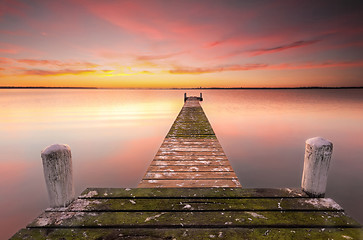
(190, 149)
(194, 135)
(180, 204)
(195, 219)
(190, 141)
(190, 163)
(188, 153)
(194, 193)
(198, 168)
(185, 140)
(191, 158)
(189, 175)
(187, 183)
(190, 233)
(191, 145)
(171, 140)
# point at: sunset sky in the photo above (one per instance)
(92, 43)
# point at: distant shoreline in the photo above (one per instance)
(201, 88)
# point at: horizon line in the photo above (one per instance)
(176, 88)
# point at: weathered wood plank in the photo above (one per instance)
(190, 149)
(190, 175)
(206, 204)
(193, 193)
(189, 163)
(186, 183)
(195, 219)
(194, 157)
(188, 153)
(215, 143)
(185, 147)
(198, 168)
(188, 140)
(190, 233)
(195, 135)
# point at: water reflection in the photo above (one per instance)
(114, 135)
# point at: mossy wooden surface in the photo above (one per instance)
(191, 123)
(195, 219)
(194, 213)
(190, 144)
(188, 234)
(221, 204)
(193, 193)
(189, 183)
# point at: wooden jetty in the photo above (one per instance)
(191, 192)
(190, 155)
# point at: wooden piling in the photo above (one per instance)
(316, 165)
(57, 166)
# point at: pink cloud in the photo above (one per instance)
(7, 48)
(36, 62)
(177, 21)
(5, 60)
(129, 15)
(12, 7)
(158, 57)
(56, 72)
(297, 44)
(260, 66)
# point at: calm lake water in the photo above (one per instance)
(114, 135)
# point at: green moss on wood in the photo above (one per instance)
(192, 193)
(180, 204)
(195, 219)
(187, 234)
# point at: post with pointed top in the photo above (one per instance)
(57, 166)
(318, 153)
(185, 97)
(201, 97)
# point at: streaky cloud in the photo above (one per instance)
(40, 72)
(297, 44)
(42, 62)
(192, 70)
(261, 66)
(158, 57)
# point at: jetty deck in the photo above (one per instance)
(191, 192)
(194, 213)
(190, 155)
